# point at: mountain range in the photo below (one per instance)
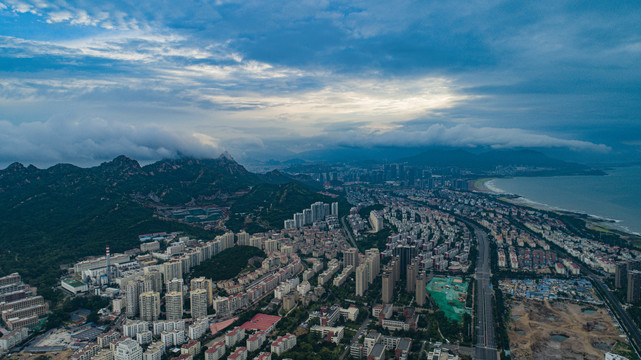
(60, 214)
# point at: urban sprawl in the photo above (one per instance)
(363, 281)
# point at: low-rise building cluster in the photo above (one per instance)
(375, 345)
(580, 290)
(19, 305)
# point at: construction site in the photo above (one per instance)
(449, 294)
(562, 330)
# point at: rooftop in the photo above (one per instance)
(73, 282)
(261, 322)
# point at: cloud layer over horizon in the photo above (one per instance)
(88, 140)
(84, 81)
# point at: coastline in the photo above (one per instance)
(593, 222)
(481, 185)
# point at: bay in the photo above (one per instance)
(615, 196)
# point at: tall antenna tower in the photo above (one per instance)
(108, 257)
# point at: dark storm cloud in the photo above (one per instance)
(460, 73)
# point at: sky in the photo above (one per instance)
(83, 81)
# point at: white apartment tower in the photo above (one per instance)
(198, 304)
(132, 291)
(173, 270)
(175, 285)
(149, 306)
(203, 283)
(362, 277)
(128, 350)
(174, 306)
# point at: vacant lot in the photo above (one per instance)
(560, 330)
(63, 355)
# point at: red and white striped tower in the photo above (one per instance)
(108, 257)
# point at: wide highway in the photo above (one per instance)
(485, 340)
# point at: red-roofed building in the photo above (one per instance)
(283, 344)
(220, 326)
(234, 336)
(262, 322)
(255, 341)
(264, 356)
(239, 354)
(216, 352)
(192, 348)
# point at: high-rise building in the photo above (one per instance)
(202, 283)
(376, 221)
(410, 277)
(174, 306)
(299, 221)
(350, 257)
(155, 277)
(271, 245)
(634, 265)
(388, 288)
(146, 284)
(405, 254)
(621, 275)
(374, 263)
(395, 267)
(173, 270)
(128, 349)
(429, 181)
(149, 306)
(289, 224)
(257, 241)
(421, 291)
(317, 211)
(175, 285)
(132, 327)
(226, 240)
(242, 238)
(362, 277)
(634, 287)
(198, 303)
(132, 291)
(307, 217)
(334, 211)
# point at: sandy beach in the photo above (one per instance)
(481, 185)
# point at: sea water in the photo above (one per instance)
(615, 196)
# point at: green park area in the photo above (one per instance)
(449, 294)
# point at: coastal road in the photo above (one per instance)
(485, 340)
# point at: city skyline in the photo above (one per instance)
(84, 82)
